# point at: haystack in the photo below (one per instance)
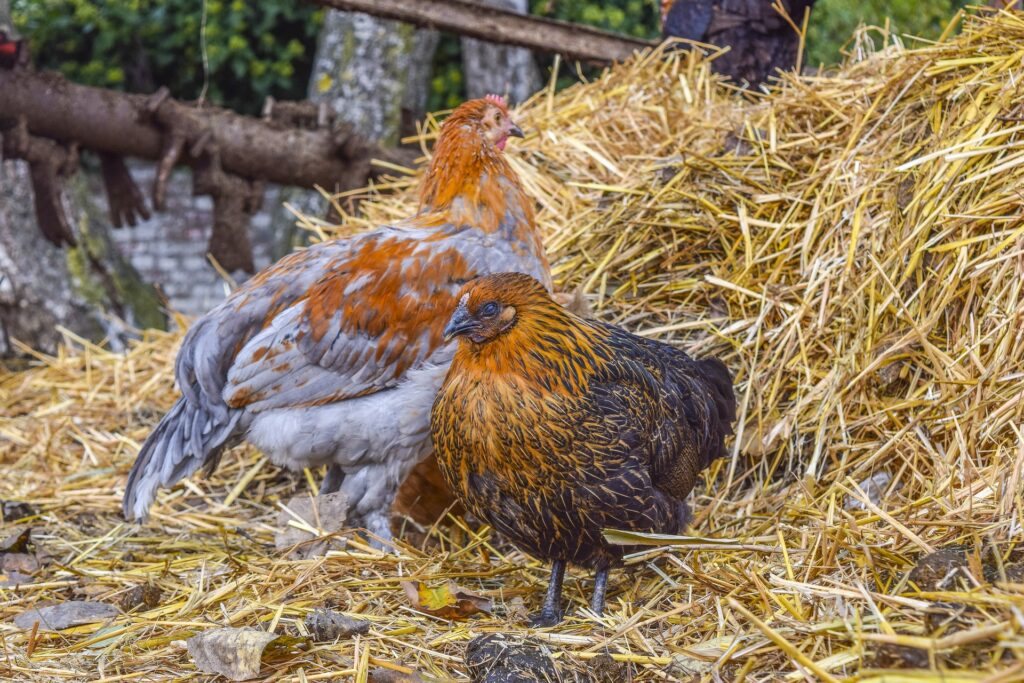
(851, 244)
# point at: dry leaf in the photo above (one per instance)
(235, 653)
(516, 610)
(447, 601)
(327, 625)
(13, 510)
(688, 667)
(16, 542)
(382, 675)
(147, 594)
(297, 524)
(18, 562)
(65, 614)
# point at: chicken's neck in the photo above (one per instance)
(470, 183)
(549, 349)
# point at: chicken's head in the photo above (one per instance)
(490, 116)
(491, 305)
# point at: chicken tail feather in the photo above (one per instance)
(187, 438)
(719, 381)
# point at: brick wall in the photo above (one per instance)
(169, 250)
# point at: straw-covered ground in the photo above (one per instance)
(852, 245)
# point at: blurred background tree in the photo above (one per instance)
(258, 49)
(637, 18)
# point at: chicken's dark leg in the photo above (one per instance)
(332, 480)
(600, 586)
(551, 612)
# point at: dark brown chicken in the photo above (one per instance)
(553, 428)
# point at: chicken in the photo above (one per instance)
(333, 355)
(552, 428)
(759, 39)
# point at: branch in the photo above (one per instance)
(501, 26)
(44, 118)
(48, 164)
(234, 201)
(127, 206)
(123, 124)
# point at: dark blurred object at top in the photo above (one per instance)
(760, 38)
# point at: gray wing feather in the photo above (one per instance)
(186, 438)
(200, 424)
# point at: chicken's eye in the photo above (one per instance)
(489, 310)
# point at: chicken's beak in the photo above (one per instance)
(460, 323)
(515, 131)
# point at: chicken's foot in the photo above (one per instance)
(600, 587)
(551, 611)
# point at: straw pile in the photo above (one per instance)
(851, 244)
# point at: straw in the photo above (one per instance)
(851, 244)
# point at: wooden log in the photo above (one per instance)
(137, 126)
(501, 26)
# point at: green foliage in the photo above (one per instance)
(833, 22)
(638, 18)
(253, 49)
(447, 88)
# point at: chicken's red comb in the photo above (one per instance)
(497, 99)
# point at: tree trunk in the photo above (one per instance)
(373, 73)
(365, 67)
(500, 69)
(84, 289)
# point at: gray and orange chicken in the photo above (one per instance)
(333, 355)
(553, 428)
